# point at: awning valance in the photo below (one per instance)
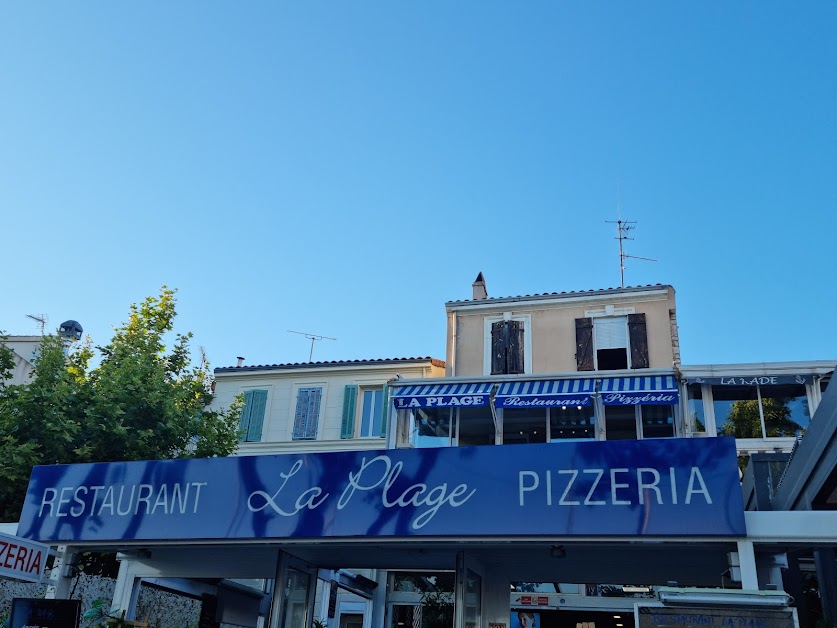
(545, 393)
(442, 395)
(631, 391)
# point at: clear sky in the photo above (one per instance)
(345, 168)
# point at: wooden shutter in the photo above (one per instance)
(584, 344)
(639, 341)
(307, 413)
(514, 352)
(347, 426)
(498, 347)
(254, 429)
(384, 411)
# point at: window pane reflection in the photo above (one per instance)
(572, 423)
(524, 425)
(432, 427)
(737, 411)
(785, 409)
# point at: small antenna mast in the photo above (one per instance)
(41, 319)
(623, 227)
(313, 338)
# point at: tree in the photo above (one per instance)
(744, 420)
(142, 402)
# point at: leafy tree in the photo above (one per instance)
(744, 421)
(141, 402)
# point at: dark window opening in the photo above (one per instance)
(612, 359)
(620, 422)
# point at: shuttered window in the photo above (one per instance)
(307, 413)
(611, 332)
(347, 425)
(252, 415)
(507, 347)
(639, 341)
(584, 344)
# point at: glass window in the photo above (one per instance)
(657, 421)
(372, 413)
(524, 425)
(476, 427)
(431, 427)
(620, 422)
(694, 407)
(572, 423)
(785, 409)
(739, 413)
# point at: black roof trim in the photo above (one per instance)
(314, 365)
(572, 293)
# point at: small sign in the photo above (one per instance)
(717, 617)
(22, 559)
(332, 600)
(40, 613)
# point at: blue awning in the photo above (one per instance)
(545, 393)
(441, 395)
(659, 390)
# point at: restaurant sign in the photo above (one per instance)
(640, 488)
(22, 559)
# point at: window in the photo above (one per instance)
(620, 422)
(761, 411)
(608, 343)
(370, 406)
(476, 427)
(252, 416)
(372, 413)
(524, 425)
(307, 415)
(657, 421)
(572, 423)
(507, 347)
(432, 427)
(694, 408)
(507, 344)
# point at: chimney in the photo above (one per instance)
(480, 292)
(240, 361)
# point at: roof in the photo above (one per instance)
(574, 294)
(328, 364)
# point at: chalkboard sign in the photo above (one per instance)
(729, 617)
(39, 613)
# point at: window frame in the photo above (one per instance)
(295, 400)
(243, 391)
(488, 321)
(362, 389)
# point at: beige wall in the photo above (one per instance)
(282, 386)
(553, 329)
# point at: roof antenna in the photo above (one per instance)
(41, 319)
(623, 228)
(313, 338)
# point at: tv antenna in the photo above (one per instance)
(623, 228)
(41, 319)
(313, 338)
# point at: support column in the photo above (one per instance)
(747, 562)
(61, 576)
(379, 600)
(825, 559)
(126, 590)
(277, 600)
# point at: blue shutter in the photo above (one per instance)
(254, 429)
(307, 413)
(347, 426)
(385, 411)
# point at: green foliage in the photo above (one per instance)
(744, 420)
(437, 609)
(7, 361)
(142, 402)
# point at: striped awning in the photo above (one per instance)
(441, 395)
(659, 390)
(545, 393)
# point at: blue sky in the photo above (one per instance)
(347, 168)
